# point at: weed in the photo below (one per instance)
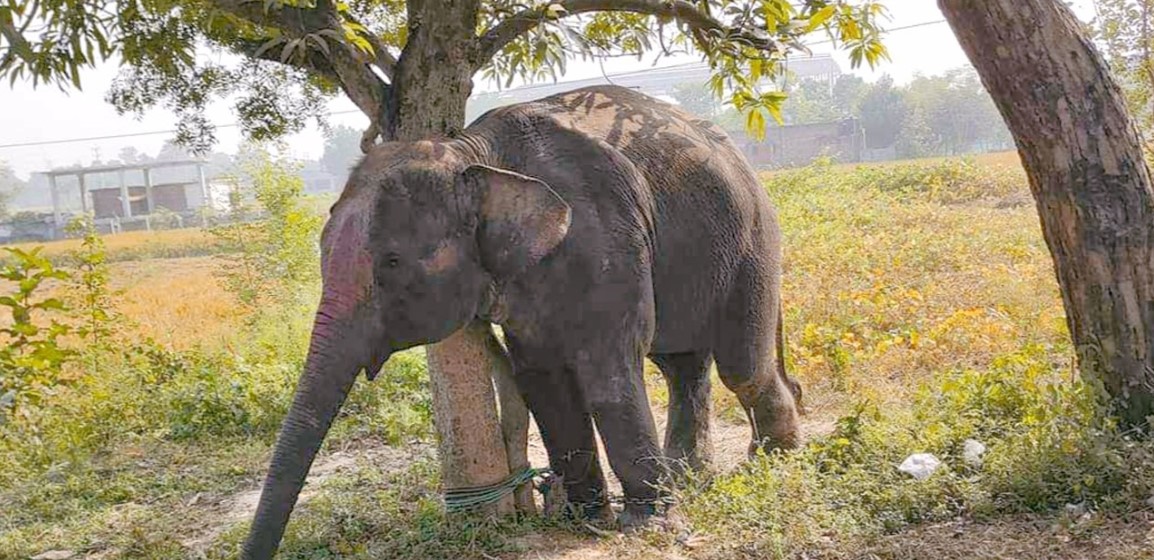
(1048, 445)
(32, 358)
(916, 314)
(274, 258)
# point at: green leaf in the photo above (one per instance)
(267, 45)
(289, 48)
(555, 11)
(755, 124)
(51, 303)
(819, 18)
(320, 43)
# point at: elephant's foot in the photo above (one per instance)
(646, 517)
(690, 465)
(581, 501)
(599, 514)
(636, 516)
(775, 424)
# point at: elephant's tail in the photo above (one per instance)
(794, 386)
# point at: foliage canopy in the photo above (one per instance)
(1125, 29)
(295, 54)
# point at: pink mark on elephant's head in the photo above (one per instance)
(346, 264)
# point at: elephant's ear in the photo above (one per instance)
(520, 219)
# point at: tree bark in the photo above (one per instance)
(431, 85)
(1082, 153)
(434, 75)
(470, 441)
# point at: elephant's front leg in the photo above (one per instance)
(615, 391)
(567, 432)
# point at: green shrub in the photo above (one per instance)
(204, 401)
(32, 357)
(275, 259)
(396, 407)
(1048, 442)
(948, 181)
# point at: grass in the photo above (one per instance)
(138, 245)
(1006, 159)
(157, 244)
(920, 312)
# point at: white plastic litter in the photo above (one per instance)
(972, 451)
(55, 555)
(920, 465)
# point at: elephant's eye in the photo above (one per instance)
(392, 260)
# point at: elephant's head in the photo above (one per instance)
(408, 253)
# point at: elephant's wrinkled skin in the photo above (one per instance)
(596, 227)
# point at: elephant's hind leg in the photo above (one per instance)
(746, 361)
(687, 438)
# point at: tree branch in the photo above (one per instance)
(285, 18)
(343, 62)
(701, 23)
(382, 58)
(301, 21)
(315, 61)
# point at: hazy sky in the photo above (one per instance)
(29, 115)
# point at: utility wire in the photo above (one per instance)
(128, 135)
(155, 132)
(892, 29)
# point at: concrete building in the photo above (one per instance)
(798, 145)
(126, 196)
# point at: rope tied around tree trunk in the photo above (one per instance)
(461, 499)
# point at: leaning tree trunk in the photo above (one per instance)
(431, 85)
(1089, 178)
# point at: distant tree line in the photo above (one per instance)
(1124, 30)
(10, 185)
(947, 114)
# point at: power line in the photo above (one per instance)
(674, 67)
(901, 28)
(127, 135)
(229, 125)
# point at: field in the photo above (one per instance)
(921, 311)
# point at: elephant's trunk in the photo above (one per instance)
(333, 362)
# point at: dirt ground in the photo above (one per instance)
(1012, 538)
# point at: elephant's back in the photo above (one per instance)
(711, 216)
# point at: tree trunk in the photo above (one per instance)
(1088, 176)
(434, 75)
(431, 84)
(470, 442)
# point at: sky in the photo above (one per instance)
(45, 113)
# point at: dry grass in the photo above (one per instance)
(883, 291)
(1025, 537)
(1008, 158)
(178, 302)
(134, 245)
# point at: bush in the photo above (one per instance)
(277, 258)
(32, 357)
(1048, 441)
(948, 181)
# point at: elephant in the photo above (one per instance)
(597, 227)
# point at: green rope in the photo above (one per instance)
(460, 499)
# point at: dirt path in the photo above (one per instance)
(1018, 538)
(730, 443)
(240, 507)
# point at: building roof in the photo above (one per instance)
(76, 170)
(661, 81)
